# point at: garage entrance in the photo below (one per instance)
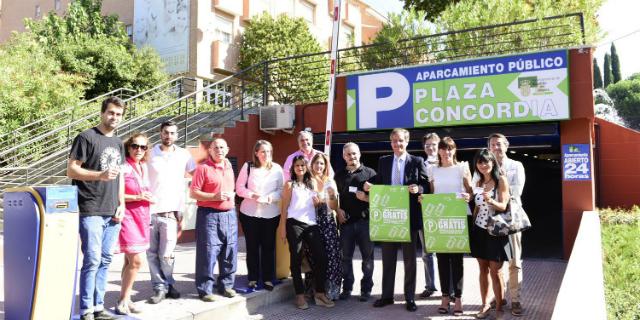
(537, 146)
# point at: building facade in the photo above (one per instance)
(201, 38)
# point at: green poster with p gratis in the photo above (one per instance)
(444, 218)
(389, 213)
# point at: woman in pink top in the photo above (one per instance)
(134, 234)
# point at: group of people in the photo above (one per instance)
(131, 198)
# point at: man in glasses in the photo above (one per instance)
(94, 168)
(168, 165)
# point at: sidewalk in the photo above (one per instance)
(542, 279)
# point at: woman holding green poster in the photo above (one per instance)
(491, 194)
(450, 176)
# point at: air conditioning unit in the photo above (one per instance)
(277, 117)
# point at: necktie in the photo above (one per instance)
(396, 172)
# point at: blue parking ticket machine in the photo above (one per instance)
(40, 252)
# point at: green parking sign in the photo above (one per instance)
(444, 218)
(389, 214)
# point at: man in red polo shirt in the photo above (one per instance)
(216, 223)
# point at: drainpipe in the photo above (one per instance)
(597, 164)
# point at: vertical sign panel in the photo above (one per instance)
(576, 162)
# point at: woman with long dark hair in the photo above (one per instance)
(299, 224)
(491, 194)
(450, 176)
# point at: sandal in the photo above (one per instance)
(458, 312)
(442, 309)
(484, 312)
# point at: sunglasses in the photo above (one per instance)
(138, 146)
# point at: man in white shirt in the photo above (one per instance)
(430, 144)
(305, 143)
(514, 170)
(168, 164)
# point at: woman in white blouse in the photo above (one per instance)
(260, 184)
(491, 194)
(450, 176)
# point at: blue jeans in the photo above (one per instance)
(427, 259)
(98, 235)
(216, 240)
(350, 235)
(164, 236)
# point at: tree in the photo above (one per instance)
(607, 70)
(465, 14)
(432, 8)
(597, 75)
(615, 64)
(292, 80)
(32, 85)
(626, 98)
(389, 48)
(97, 47)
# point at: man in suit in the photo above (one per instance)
(401, 168)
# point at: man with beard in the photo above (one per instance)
(353, 216)
(94, 167)
(168, 165)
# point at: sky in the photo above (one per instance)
(618, 20)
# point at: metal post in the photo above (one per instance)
(242, 97)
(584, 38)
(186, 122)
(265, 84)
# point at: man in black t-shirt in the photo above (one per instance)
(353, 216)
(94, 167)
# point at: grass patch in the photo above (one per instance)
(621, 250)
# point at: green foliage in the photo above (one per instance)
(389, 50)
(621, 244)
(541, 34)
(292, 80)
(597, 75)
(626, 97)
(97, 47)
(432, 8)
(607, 70)
(32, 85)
(615, 64)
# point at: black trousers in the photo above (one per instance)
(450, 270)
(389, 262)
(297, 233)
(260, 238)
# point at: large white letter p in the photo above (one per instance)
(369, 104)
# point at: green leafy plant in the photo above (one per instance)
(621, 244)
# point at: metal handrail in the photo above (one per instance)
(49, 117)
(73, 123)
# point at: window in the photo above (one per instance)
(308, 12)
(258, 6)
(129, 29)
(347, 37)
(224, 29)
(57, 5)
(38, 11)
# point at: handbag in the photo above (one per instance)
(512, 220)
